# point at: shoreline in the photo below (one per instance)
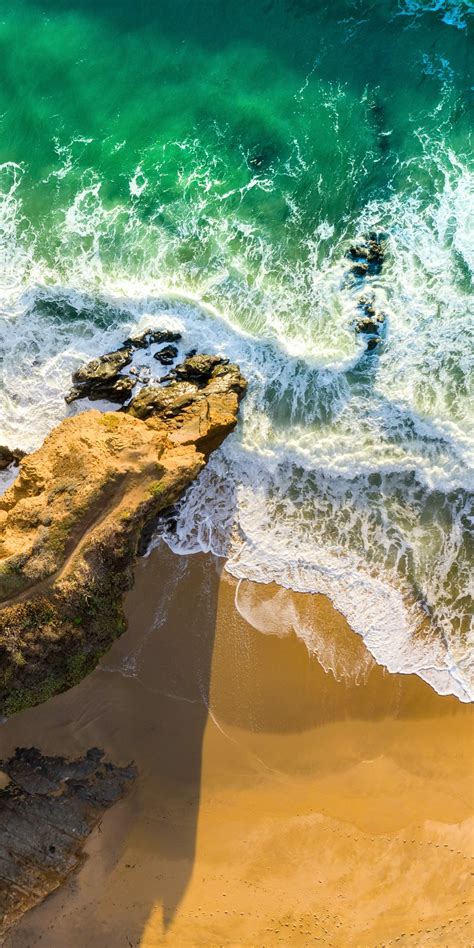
(432, 675)
(271, 798)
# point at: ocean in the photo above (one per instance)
(207, 167)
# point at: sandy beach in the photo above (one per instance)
(290, 791)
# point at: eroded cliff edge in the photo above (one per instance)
(71, 523)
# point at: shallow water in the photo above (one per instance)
(208, 169)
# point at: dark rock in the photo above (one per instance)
(197, 384)
(149, 336)
(101, 379)
(8, 457)
(370, 322)
(165, 335)
(357, 252)
(137, 342)
(360, 269)
(47, 811)
(167, 355)
(198, 368)
(166, 402)
(369, 256)
(367, 306)
(373, 343)
(118, 390)
(367, 326)
(18, 455)
(102, 369)
(375, 253)
(73, 394)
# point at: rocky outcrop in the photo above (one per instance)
(199, 406)
(48, 807)
(197, 368)
(71, 523)
(8, 457)
(117, 390)
(368, 256)
(103, 378)
(370, 322)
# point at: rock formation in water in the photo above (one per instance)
(71, 523)
(8, 457)
(48, 807)
(103, 378)
(367, 258)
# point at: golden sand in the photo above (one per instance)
(288, 793)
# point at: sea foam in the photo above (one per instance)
(350, 475)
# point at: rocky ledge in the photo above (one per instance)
(48, 807)
(72, 522)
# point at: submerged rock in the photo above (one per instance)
(262, 155)
(71, 523)
(47, 810)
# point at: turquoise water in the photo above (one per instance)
(207, 166)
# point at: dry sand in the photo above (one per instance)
(284, 798)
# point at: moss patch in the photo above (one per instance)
(157, 489)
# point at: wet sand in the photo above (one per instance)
(284, 796)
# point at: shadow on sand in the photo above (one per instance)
(147, 701)
(177, 673)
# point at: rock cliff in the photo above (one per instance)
(71, 523)
(48, 807)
